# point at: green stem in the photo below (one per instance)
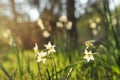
(68, 73)
(104, 70)
(48, 74)
(103, 66)
(17, 53)
(54, 65)
(40, 75)
(52, 73)
(71, 65)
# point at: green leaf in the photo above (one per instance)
(116, 69)
(71, 65)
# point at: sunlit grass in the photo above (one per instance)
(80, 68)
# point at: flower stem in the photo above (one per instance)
(40, 75)
(54, 65)
(48, 74)
(69, 73)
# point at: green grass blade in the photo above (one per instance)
(49, 78)
(14, 74)
(5, 71)
(69, 73)
(71, 65)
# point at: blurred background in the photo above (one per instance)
(66, 23)
(70, 22)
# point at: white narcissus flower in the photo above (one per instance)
(40, 23)
(59, 24)
(93, 25)
(7, 33)
(63, 18)
(98, 20)
(50, 47)
(36, 48)
(46, 34)
(88, 44)
(95, 32)
(12, 42)
(88, 56)
(69, 25)
(41, 57)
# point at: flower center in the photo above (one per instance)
(36, 51)
(88, 44)
(50, 48)
(89, 55)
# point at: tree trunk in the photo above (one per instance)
(14, 11)
(73, 32)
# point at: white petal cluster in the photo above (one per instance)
(64, 23)
(40, 23)
(88, 55)
(88, 51)
(42, 55)
(63, 18)
(50, 47)
(36, 48)
(46, 34)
